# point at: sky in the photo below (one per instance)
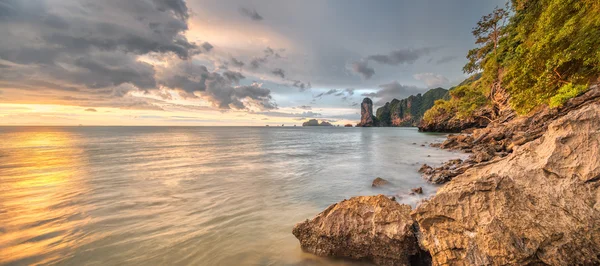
(224, 63)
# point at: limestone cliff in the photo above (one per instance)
(367, 119)
(408, 112)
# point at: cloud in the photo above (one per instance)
(90, 110)
(301, 85)
(392, 90)
(192, 79)
(394, 58)
(252, 14)
(362, 68)
(83, 47)
(279, 72)
(329, 92)
(257, 62)
(432, 80)
(271, 52)
(304, 107)
(402, 56)
(233, 76)
(236, 63)
(282, 114)
(446, 59)
(207, 46)
(349, 91)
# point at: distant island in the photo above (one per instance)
(315, 123)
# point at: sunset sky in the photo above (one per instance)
(222, 63)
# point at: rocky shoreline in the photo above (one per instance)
(528, 194)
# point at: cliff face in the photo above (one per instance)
(367, 119)
(408, 112)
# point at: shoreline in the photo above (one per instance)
(525, 195)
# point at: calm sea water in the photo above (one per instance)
(189, 195)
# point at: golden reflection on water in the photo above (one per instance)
(37, 219)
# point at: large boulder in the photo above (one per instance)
(538, 205)
(373, 228)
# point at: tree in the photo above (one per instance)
(488, 32)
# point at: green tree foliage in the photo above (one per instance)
(463, 100)
(548, 53)
(488, 32)
(551, 43)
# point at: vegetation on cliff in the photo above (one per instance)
(544, 54)
(409, 111)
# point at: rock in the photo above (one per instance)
(379, 182)
(408, 112)
(311, 123)
(418, 190)
(446, 172)
(315, 122)
(536, 206)
(371, 228)
(426, 169)
(367, 119)
(348, 125)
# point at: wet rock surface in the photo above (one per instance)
(379, 182)
(373, 228)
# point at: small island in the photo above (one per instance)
(315, 123)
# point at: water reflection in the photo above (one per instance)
(187, 196)
(38, 217)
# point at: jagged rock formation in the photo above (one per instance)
(315, 122)
(539, 205)
(408, 112)
(372, 228)
(367, 119)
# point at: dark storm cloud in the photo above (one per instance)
(446, 59)
(402, 56)
(362, 68)
(218, 89)
(392, 90)
(252, 14)
(233, 76)
(278, 72)
(91, 46)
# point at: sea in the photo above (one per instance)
(191, 195)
